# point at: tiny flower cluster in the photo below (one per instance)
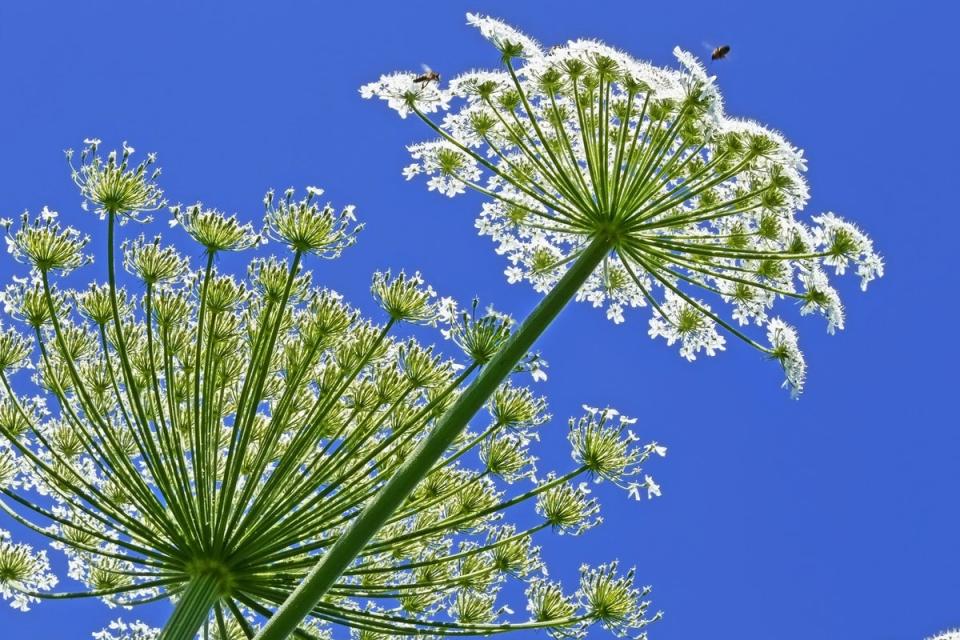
(604, 445)
(120, 630)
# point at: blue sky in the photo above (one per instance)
(831, 517)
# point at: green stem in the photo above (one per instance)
(333, 563)
(193, 608)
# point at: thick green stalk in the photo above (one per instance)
(334, 562)
(193, 608)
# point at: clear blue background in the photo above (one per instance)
(832, 517)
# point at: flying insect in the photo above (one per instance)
(720, 52)
(429, 75)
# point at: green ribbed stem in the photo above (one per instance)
(193, 608)
(333, 563)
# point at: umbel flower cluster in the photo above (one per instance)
(205, 438)
(582, 144)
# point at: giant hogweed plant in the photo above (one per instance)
(205, 439)
(609, 180)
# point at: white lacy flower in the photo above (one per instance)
(635, 489)
(402, 93)
(120, 630)
(503, 36)
(658, 449)
(653, 489)
(687, 197)
(538, 371)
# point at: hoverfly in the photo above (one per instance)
(428, 76)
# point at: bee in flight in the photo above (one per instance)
(720, 52)
(428, 76)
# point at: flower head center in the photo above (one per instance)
(216, 567)
(612, 229)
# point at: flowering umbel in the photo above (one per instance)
(207, 438)
(582, 143)
(113, 185)
(22, 570)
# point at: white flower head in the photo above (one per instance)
(404, 94)
(582, 143)
(507, 39)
